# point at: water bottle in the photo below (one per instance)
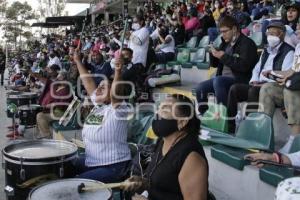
(238, 120)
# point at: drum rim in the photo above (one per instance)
(45, 160)
(67, 179)
(28, 107)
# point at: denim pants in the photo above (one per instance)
(212, 33)
(219, 85)
(106, 174)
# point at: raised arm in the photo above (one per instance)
(86, 78)
(117, 87)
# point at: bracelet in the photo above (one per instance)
(280, 157)
(276, 157)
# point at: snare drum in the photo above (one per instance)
(28, 113)
(28, 161)
(68, 190)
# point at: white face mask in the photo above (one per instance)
(135, 26)
(273, 41)
(217, 6)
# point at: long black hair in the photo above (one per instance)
(186, 108)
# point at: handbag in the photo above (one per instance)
(293, 82)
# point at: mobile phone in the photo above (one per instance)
(274, 76)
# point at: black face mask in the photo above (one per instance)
(164, 127)
(126, 60)
(52, 55)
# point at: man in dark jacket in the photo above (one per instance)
(2, 65)
(235, 59)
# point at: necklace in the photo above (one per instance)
(158, 161)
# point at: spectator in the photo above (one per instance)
(183, 173)
(235, 60)
(104, 161)
(139, 41)
(2, 65)
(277, 56)
(165, 51)
(54, 60)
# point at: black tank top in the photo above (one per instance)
(163, 172)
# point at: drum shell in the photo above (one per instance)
(20, 100)
(61, 166)
(28, 117)
(12, 176)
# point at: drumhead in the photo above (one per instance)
(39, 149)
(67, 189)
(29, 107)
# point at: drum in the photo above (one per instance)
(67, 189)
(24, 98)
(29, 163)
(289, 189)
(28, 113)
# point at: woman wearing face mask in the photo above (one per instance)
(165, 51)
(178, 169)
(218, 10)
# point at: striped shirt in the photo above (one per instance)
(105, 135)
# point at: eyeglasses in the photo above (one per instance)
(224, 31)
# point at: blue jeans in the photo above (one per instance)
(219, 85)
(106, 174)
(212, 33)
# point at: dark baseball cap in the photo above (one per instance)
(277, 24)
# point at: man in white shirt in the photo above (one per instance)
(54, 60)
(277, 56)
(139, 41)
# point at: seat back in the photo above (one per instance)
(257, 38)
(296, 145)
(257, 127)
(215, 118)
(183, 56)
(204, 42)
(200, 55)
(138, 127)
(192, 42)
(217, 42)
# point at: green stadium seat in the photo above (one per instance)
(257, 38)
(209, 118)
(190, 44)
(204, 42)
(183, 56)
(72, 125)
(255, 130)
(139, 126)
(217, 42)
(231, 156)
(275, 174)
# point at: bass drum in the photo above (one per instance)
(28, 163)
(67, 189)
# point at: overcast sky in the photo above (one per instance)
(72, 8)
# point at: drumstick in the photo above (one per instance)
(82, 188)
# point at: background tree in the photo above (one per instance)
(17, 15)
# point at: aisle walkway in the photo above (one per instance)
(4, 122)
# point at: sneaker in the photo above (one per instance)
(287, 147)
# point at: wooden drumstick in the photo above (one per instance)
(82, 188)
